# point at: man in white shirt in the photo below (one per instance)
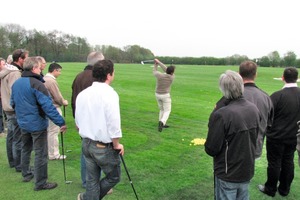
(97, 117)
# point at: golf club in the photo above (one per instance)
(63, 150)
(147, 61)
(128, 176)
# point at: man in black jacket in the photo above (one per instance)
(231, 139)
(281, 138)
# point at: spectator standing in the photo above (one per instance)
(19, 56)
(231, 140)
(83, 80)
(54, 72)
(98, 119)
(43, 64)
(282, 136)
(162, 92)
(2, 134)
(33, 106)
(13, 139)
(248, 71)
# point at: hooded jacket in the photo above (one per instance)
(8, 77)
(33, 104)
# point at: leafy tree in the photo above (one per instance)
(290, 58)
(265, 61)
(274, 58)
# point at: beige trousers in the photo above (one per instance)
(53, 142)
(164, 104)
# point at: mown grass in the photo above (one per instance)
(162, 166)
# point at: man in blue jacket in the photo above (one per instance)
(33, 107)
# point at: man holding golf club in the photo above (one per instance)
(162, 92)
(231, 139)
(54, 71)
(83, 80)
(97, 117)
(33, 106)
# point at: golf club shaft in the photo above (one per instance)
(63, 153)
(128, 176)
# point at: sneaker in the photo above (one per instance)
(28, 178)
(160, 126)
(47, 186)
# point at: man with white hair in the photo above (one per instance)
(231, 139)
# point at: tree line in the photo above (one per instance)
(58, 46)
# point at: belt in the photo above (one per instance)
(99, 143)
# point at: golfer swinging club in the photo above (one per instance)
(162, 93)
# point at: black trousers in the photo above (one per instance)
(280, 155)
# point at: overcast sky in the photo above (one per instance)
(193, 28)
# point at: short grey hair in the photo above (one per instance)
(30, 63)
(94, 57)
(231, 85)
(9, 59)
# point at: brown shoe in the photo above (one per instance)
(47, 186)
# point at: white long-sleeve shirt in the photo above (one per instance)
(98, 113)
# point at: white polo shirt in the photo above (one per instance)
(97, 113)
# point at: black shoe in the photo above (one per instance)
(18, 170)
(160, 126)
(47, 186)
(263, 190)
(284, 194)
(28, 178)
(166, 126)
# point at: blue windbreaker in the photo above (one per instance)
(33, 104)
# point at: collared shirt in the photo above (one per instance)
(289, 85)
(50, 75)
(97, 113)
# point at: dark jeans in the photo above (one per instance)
(36, 141)
(13, 142)
(280, 157)
(100, 158)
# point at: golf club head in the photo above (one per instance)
(68, 182)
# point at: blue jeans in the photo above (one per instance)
(13, 142)
(100, 158)
(229, 191)
(36, 141)
(83, 170)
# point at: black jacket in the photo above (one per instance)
(231, 140)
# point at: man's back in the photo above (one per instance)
(83, 80)
(286, 114)
(264, 104)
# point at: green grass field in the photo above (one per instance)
(162, 166)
